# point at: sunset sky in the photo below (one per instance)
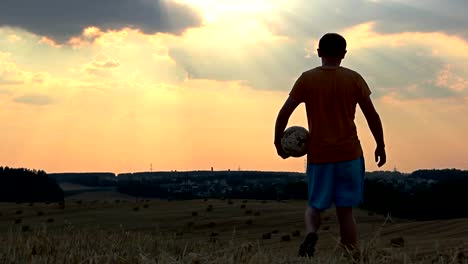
(117, 85)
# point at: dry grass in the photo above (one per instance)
(76, 245)
(97, 232)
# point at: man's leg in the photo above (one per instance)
(312, 224)
(349, 191)
(348, 227)
(320, 193)
(312, 220)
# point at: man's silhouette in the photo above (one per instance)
(335, 162)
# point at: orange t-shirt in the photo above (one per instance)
(330, 95)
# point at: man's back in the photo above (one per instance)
(331, 95)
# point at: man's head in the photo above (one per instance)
(332, 45)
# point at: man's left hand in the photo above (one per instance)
(280, 151)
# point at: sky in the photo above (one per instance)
(130, 85)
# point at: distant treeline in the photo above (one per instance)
(92, 179)
(24, 185)
(422, 195)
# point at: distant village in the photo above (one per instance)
(422, 194)
(191, 184)
(234, 184)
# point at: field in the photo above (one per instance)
(210, 231)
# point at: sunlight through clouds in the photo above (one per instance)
(116, 98)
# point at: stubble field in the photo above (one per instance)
(211, 231)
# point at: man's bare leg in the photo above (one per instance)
(348, 227)
(312, 220)
(312, 224)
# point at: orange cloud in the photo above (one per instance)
(50, 42)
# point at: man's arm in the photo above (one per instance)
(281, 123)
(375, 125)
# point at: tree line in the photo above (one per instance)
(25, 185)
(420, 195)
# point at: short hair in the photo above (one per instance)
(332, 45)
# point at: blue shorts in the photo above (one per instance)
(341, 183)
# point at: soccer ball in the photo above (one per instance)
(295, 141)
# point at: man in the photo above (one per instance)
(335, 162)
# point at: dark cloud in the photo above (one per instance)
(409, 71)
(426, 90)
(62, 19)
(273, 66)
(34, 99)
(320, 17)
(390, 69)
